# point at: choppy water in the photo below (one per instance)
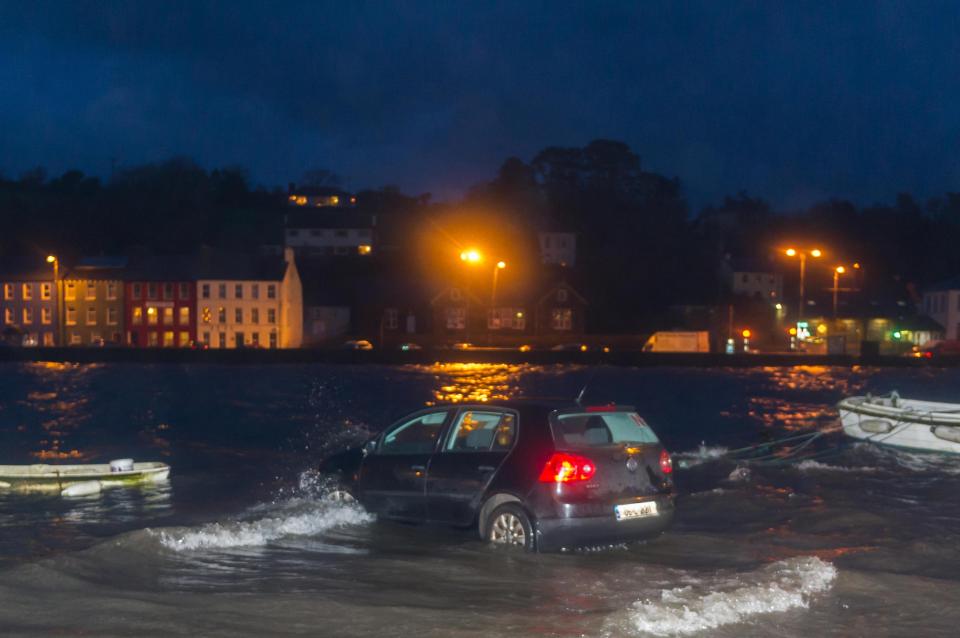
(238, 543)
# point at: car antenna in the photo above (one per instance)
(583, 390)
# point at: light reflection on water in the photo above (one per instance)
(474, 382)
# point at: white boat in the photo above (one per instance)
(906, 423)
(80, 480)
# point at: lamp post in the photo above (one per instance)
(839, 270)
(52, 259)
(493, 289)
(802, 254)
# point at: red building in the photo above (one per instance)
(160, 301)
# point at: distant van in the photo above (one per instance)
(675, 341)
(937, 348)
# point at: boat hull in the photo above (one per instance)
(902, 423)
(55, 478)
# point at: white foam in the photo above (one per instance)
(306, 519)
(810, 464)
(701, 455)
(725, 600)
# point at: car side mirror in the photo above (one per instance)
(370, 447)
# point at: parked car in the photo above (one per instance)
(407, 347)
(530, 475)
(357, 344)
(938, 348)
(462, 345)
(570, 347)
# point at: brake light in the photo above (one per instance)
(567, 468)
(666, 463)
(600, 408)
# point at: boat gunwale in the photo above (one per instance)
(51, 473)
(902, 415)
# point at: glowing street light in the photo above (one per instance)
(471, 256)
(52, 259)
(802, 254)
(839, 270)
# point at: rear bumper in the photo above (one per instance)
(555, 534)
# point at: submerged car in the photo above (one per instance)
(533, 475)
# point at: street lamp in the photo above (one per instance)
(802, 254)
(496, 271)
(839, 270)
(52, 259)
(471, 256)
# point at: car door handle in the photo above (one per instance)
(486, 468)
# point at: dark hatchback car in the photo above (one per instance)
(529, 474)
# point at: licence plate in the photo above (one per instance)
(635, 510)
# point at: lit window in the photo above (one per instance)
(184, 316)
(271, 315)
(456, 318)
(152, 316)
(92, 316)
(94, 338)
(8, 291)
(27, 292)
(111, 291)
(153, 339)
(168, 338)
(205, 314)
(91, 288)
(46, 291)
(8, 315)
(71, 316)
(113, 316)
(364, 249)
(27, 316)
(137, 318)
(183, 339)
(48, 339)
(75, 339)
(46, 316)
(70, 291)
(561, 319)
(221, 315)
(168, 316)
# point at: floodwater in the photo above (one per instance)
(239, 542)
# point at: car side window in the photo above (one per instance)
(416, 436)
(482, 431)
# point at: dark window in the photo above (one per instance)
(417, 436)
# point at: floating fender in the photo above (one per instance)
(875, 426)
(86, 488)
(4, 485)
(947, 433)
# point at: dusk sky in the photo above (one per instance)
(792, 101)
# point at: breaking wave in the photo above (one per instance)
(702, 454)
(810, 464)
(708, 605)
(298, 517)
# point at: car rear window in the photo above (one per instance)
(592, 429)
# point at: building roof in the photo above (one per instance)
(319, 218)
(98, 268)
(25, 269)
(240, 267)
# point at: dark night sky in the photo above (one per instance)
(792, 101)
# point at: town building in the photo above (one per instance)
(159, 300)
(28, 303)
(322, 233)
(561, 310)
(319, 197)
(249, 302)
(93, 302)
(558, 248)
(941, 302)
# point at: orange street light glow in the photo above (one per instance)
(841, 269)
(816, 252)
(746, 334)
(501, 264)
(791, 252)
(471, 256)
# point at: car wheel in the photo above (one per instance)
(510, 526)
(339, 493)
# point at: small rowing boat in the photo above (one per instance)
(81, 480)
(906, 423)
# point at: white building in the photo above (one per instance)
(759, 285)
(249, 302)
(558, 248)
(942, 304)
(321, 233)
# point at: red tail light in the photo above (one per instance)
(666, 463)
(567, 468)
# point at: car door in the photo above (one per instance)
(392, 481)
(477, 443)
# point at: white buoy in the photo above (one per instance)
(86, 488)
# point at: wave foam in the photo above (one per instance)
(704, 606)
(810, 464)
(701, 455)
(309, 518)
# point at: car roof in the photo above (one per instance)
(546, 404)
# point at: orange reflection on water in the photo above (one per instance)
(473, 382)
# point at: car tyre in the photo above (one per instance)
(509, 526)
